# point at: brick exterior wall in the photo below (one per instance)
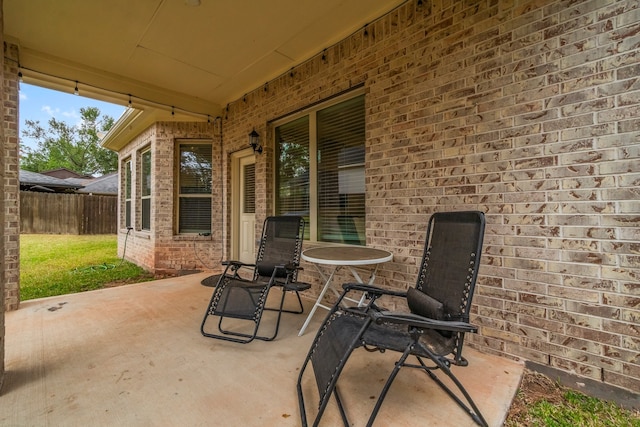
(527, 111)
(2, 198)
(11, 205)
(10, 188)
(160, 250)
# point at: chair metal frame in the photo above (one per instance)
(268, 272)
(374, 328)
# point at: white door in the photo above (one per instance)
(247, 209)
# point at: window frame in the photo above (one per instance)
(177, 186)
(127, 190)
(312, 111)
(145, 197)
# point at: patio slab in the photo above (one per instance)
(134, 356)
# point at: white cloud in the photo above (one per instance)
(71, 114)
(50, 111)
(23, 96)
(60, 114)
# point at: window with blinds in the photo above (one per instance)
(145, 190)
(127, 193)
(249, 188)
(320, 171)
(341, 172)
(292, 168)
(194, 184)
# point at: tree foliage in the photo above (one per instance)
(76, 148)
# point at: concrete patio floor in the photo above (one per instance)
(134, 356)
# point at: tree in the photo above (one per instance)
(76, 148)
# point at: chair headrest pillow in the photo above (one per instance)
(423, 305)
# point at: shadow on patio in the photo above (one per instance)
(133, 355)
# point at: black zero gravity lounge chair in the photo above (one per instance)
(237, 304)
(433, 330)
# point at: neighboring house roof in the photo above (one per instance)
(79, 181)
(33, 181)
(105, 185)
(64, 173)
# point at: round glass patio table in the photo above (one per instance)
(338, 257)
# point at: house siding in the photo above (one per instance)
(527, 111)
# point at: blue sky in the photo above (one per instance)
(41, 104)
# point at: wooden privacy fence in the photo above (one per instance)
(57, 213)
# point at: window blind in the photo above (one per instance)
(292, 178)
(195, 168)
(335, 150)
(195, 187)
(127, 194)
(249, 190)
(146, 191)
(195, 215)
(341, 178)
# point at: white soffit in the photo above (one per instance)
(168, 51)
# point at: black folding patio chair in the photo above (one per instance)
(432, 331)
(239, 303)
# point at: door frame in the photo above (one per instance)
(236, 159)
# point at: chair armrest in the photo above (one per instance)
(237, 264)
(234, 266)
(289, 269)
(292, 267)
(374, 290)
(296, 286)
(416, 321)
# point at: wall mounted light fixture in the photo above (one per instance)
(254, 142)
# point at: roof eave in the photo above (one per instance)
(134, 121)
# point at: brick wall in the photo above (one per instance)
(528, 111)
(159, 250)
(2, 199)
(11, 205)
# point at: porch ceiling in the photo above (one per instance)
(197, 58)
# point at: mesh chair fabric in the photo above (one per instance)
(239, 299)
(279, 246)
(334, 342)
(447, 266)
(276, 265)
(442, 293)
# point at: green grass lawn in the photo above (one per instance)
(63, 264)
(577, 409)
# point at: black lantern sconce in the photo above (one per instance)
(254, 142)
